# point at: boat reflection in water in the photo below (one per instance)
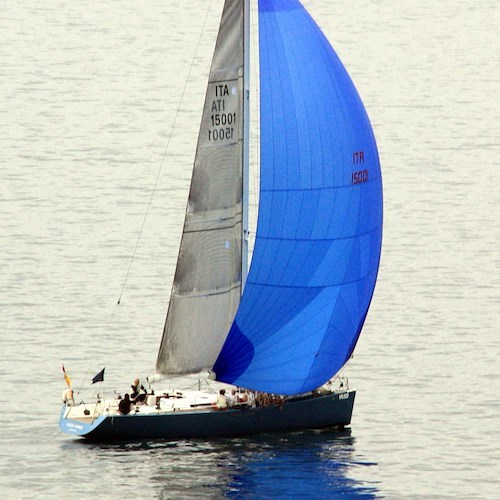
(308, 464)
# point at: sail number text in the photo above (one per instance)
(223, 119)
(360, 176)
(219, 134)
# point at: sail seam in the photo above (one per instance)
(276, 238)
(211, 294)
(218, 228)
(323, 188)
(225, 80)
(311, 287)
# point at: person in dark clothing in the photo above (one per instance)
(125, 405)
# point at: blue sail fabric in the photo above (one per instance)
(319, 231)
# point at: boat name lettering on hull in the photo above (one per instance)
(71, 427)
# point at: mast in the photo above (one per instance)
(246, 140)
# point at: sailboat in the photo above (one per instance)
(287, 324)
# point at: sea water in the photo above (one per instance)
(91, 211)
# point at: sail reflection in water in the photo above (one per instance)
(305, 465)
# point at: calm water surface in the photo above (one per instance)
(91, 97)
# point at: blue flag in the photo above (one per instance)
(99, 377)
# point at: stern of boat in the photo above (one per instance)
(79, 420)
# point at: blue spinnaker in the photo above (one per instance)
(319, 231)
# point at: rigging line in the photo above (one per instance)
(56, 435)
(80, 387)
(172, 128)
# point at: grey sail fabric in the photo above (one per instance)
(207, 283)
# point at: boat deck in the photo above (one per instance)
(165, 403)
